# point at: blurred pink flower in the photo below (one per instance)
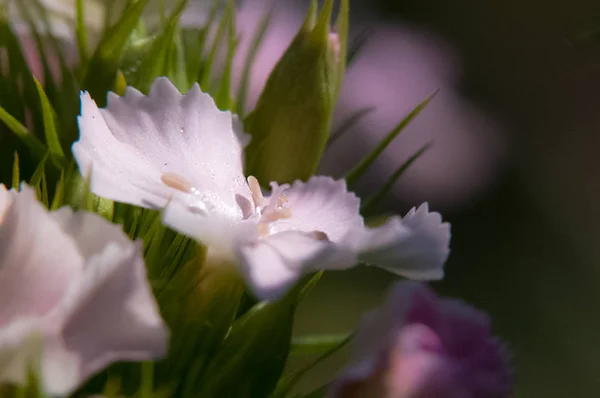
(420, 346)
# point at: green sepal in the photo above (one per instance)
(290, 125)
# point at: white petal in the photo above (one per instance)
(416, 246)
(37, 260)
(20, 349)
(89, 232)
(110, 315)
(211, 229)
(274, 264)
(321, 204)
(132, 143)
(5, 200)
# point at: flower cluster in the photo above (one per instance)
(158, 244)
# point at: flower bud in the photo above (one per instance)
(291, 122)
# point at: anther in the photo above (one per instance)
(257, 196)
(177, 182)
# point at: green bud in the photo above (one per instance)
(290, 125)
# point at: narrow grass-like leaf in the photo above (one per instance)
(176, 63)
(206, 71)
(348, 123)
(370, 204)
(154, 62)
(223, 97)
(59, 192)
(37, 147)
(16, 99)
(120, 84)
(341, 27)
(81, 32)
(368, 160)
(103, 65)
(288, 382)
(255, 45)
(16, 178)
(50, 131)
(36, 178)
(317, 344)
(357, 44)
(43, 196)
(194, 42)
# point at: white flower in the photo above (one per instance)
(180, 151)
(73, 295)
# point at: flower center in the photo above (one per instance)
(268, 212)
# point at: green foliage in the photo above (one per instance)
(368, 160)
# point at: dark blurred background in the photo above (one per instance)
(524, 202)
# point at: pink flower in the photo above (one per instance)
(420, 346)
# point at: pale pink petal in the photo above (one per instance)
(37, 261)
(321, 204)
(138, 140)
(415, 246)
(5, 200)
(89, 232)
(272, 265)
(108, 316)
(20, 349)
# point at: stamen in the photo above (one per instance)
(177, 182)
(281, 200)
(263, 229)
(276, 215)
(257, 196)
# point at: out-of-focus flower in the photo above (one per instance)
(396, 68)
(420, 346)
(290, 124)
(180, 151)
(74, 295)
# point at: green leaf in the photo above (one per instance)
(52, 139)
(223, 97)
(36, 178)
(194, 42)
(16, 179)
(368, 160)
(81, 33)
(288, 382)
(317, 344)
(255, 45)
(198, 301)
(348, 123)
(371, 203)
(206, 71)
(37, 148)
(59, 192)
(357, 45)
(103, 65)
(256, 347)
(154, 63)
